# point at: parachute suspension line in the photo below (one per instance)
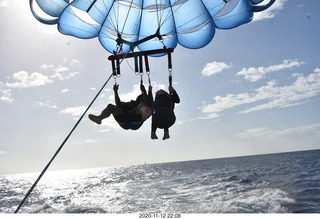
(61, 146)
(169, 15)
(157, 5)
(160, 11)
(115, 16)
(180, 28)
(94, 1)
(88, 9)
(127, 16)
(138, 66)
(115, 12)
(110, 20)
(107, 18)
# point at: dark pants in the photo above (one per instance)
(162, 119)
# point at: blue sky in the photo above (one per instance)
(253, 90)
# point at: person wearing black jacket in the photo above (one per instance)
(163, 112)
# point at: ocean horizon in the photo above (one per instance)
(270, 183)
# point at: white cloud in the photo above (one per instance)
(4, 3)
(25, 80)
(110, 123)
(269, 96)
(47, 104)
(107, 124)
(61, 68)
(46, 66)
(63, 76)
(72, 62)
(263, 132)
(211, 116)
(62, 72)
(75, 111)
(88, 141)
(295, 75)
(254, 74)
(65, 90)
(214, 68)
(75, 62)
(270, 12)
(5, 95)
(132, 95)
(286, 96)
(2, 152)
(6, 99)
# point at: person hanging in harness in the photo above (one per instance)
(163, 115)
(129, 115)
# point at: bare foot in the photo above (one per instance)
(154, 136)
(95, 119)
(166, 135)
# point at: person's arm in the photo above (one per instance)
(175, 95)
(144, 93)
(116, 95)
(119, 104)
(150, 97)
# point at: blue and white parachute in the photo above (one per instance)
(147, 24)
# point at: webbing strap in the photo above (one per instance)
(147, 63)
(147, 68)
(169, 61)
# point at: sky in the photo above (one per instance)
(253, 90)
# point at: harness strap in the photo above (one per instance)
(147, 63)
(147, 68)
(140, 67)
(114, 71)
(169, 62)
(136, 67)
(170, 81)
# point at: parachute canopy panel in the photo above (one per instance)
(122, 25)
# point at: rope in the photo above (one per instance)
(61, 146)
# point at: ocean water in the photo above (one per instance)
(274, 183)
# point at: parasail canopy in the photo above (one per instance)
(147, 24)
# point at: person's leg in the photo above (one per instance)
(166, 134)
(110, 109)
(166, 130)
(154, 136)
(144, 111)
(153, 129)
